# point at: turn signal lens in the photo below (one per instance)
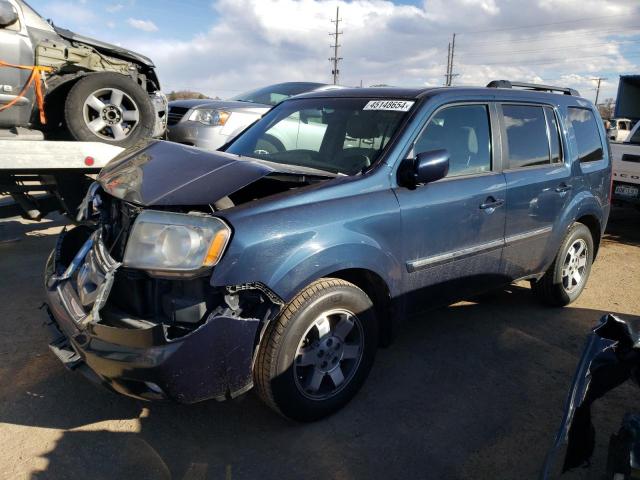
(216, 249)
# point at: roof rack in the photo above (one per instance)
(532, 86)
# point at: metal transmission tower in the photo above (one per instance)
(335, 59)
(599, 80)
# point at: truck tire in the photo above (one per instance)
(109, 107)
(317, 354)
(568, 274)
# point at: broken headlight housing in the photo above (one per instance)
(174, 243)
(210, 116)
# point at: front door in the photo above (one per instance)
(15, 48)
(453, 229)
(538, 186)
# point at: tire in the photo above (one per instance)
(557, 288)
(109, 108)
(299, 347)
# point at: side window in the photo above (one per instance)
(587, 135)
(6, 11)
(463, 130)
(554, 136)
(635, 138)
(527, 141)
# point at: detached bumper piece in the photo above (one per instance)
(611, 356)
(146, 358)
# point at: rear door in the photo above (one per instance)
(15, 48)
(538, 184)
(453, 229)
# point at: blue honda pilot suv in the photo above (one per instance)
(284, 260)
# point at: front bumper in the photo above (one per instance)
(212, 361)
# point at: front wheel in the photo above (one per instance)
(110, 108)
(567, 276)
(317, 354)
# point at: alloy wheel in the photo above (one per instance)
(329, 354)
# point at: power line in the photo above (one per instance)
(572, 33)
(552, 62)
(514, 52)
(335, 59)
(521, 27)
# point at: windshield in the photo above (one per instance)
(337, 135)
(274, 94)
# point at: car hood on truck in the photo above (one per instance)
(105, 47)
(161, 173)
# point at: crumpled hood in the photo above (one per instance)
(105, 47)
(157, 172)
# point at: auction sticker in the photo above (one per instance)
(394, 105)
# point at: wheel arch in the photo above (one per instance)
(378, 291)
(593, 224)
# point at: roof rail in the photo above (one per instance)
(532, 86)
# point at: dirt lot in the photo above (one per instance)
(474, 390)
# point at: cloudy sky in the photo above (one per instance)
(224, 47)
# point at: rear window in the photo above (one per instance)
(527, 141)
(587, 135)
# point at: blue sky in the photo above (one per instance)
(223, 47)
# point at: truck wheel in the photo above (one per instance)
(110, 108)
(566, 277)
(317, 354)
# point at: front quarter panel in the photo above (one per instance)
(288, 247)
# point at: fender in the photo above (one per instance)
(287, 248)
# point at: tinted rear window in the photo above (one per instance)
(527, 141)
(587, 135)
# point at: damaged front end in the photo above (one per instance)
(149, 335)
(611, 357)
(130, 290)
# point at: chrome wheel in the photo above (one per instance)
(329, 354)
(111, 114)
(575, 265)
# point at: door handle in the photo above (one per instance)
(491, 204)
(563, 188)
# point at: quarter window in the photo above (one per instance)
(554, 136)
(527, 141)
(587, 135)
(463, 130)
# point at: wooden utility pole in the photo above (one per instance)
(599, 80)
(451, 52)
(335, 59)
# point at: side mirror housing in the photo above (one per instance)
(8, 15)
(426, 167)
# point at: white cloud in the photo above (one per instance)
(115, 7)
(144, 25)
(69, 11)
(257, 42)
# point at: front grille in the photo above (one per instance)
(175, 114)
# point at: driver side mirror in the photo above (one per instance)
(426, 167)
(8, 14)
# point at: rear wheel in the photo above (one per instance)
(567, 276)
(317, 354)
(109, 108)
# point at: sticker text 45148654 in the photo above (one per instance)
(395, 105)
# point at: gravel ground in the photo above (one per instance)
(474, 390)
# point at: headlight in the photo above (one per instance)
(210, 116)
(175, 242)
